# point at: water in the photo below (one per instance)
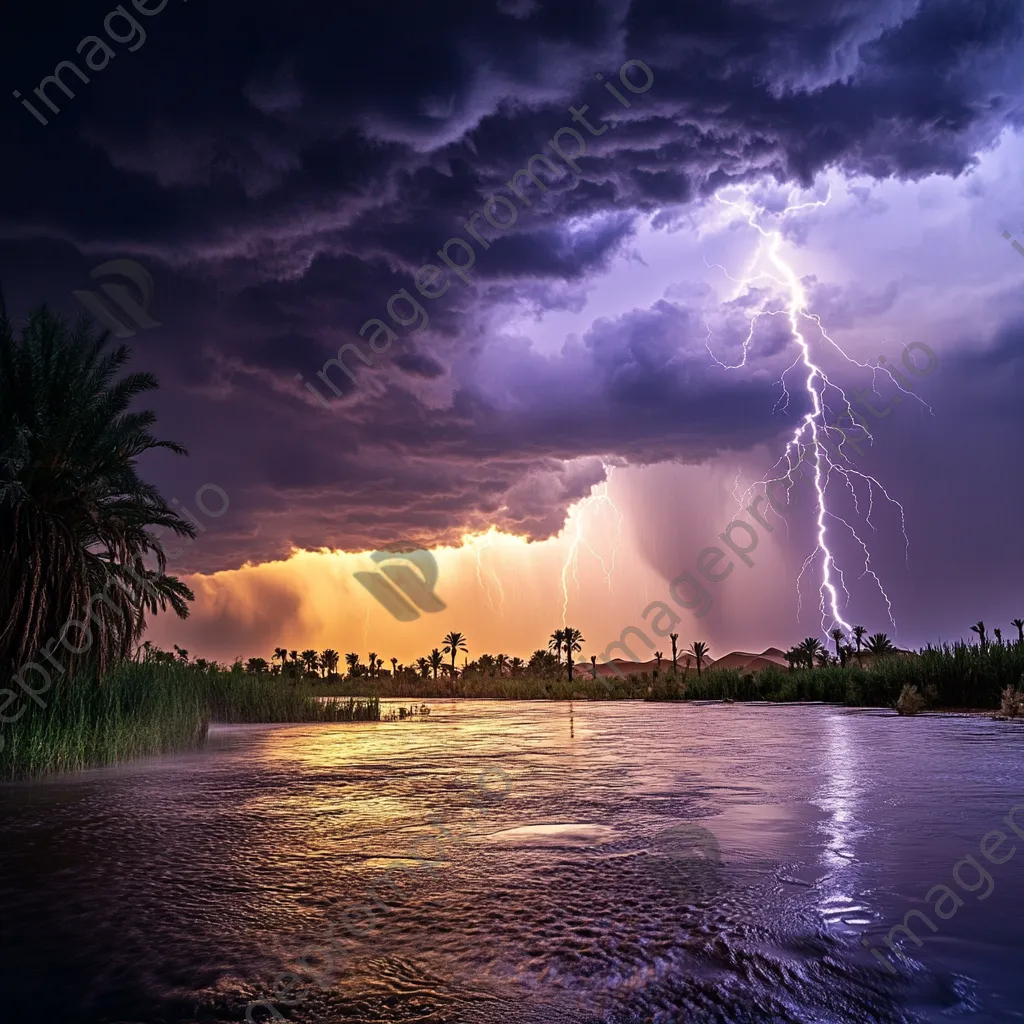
(648, 863)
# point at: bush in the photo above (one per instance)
(910, 701)
(1011, 704)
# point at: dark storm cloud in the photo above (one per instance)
(284, 170)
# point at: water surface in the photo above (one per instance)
(638, 862)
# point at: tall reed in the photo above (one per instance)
(147, 709)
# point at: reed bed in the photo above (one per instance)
(148, 709)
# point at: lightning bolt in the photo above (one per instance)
(599, 496)
(808, 441)
(486, 541)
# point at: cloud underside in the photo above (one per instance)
(296, 175)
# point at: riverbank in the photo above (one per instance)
(960, 676)
(141, 710)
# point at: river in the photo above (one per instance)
(625, 862)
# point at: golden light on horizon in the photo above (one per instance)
(505, 592)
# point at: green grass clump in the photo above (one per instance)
(145, 709)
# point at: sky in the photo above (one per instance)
(568, 401)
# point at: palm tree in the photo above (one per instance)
(452, 644)
(794, 656)
(838, 636)
(808, 649)
(593, 665)
(657, 657)
(1019, 623)
(999, 635)
(555, 642)
(515, 666)
(394, 668)
(699, 650)
(486, 664)
(254, 666)
(674, 637)
(371, 660)
(295, 658)
(572, 640)
(280, 652)
(979, 628)
(352, 660)
(181, 653)
(859, 632)
(824, 658)
(76, 520)
(329, 661)
(501, 660)
(879, 643)
(310, 660)
(424, 667)
(436, 660)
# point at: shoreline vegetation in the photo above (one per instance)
(956, 676)
(142, 710)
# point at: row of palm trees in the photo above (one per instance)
(811, 651)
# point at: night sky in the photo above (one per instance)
(284, 170)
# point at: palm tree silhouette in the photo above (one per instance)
(310, 660)
(182, 653)
(699, 650)
(879, 643)
(371, 659)
(424, 667)
(593, 664)
(453, 644)
(572, 640)
(859, 632)
(674, 637)
(1019, 623)
(352, 660)
(394, 668)
(808, 649)
(76, 520)
(979, 628)
(515, 666)
(280, 652)
(657, 657)
(329, 661)
(436, 661)
(999, 635)
(838, 636)
(555, 643)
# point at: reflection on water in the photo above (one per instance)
(646, 863)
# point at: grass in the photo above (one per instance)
(142, 710)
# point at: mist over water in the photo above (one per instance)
(697, 863)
